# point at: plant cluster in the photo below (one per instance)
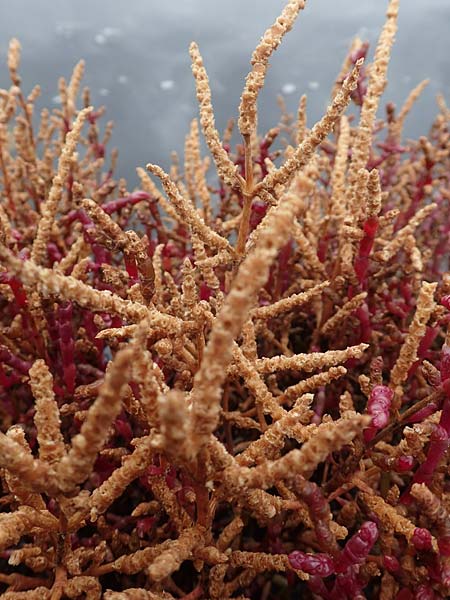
(229, 386)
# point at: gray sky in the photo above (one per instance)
(138, 64)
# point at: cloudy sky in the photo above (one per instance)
(138, 63)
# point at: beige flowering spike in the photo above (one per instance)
(268, 446)
(343, 313)
(46, 418)
(16, 484)
(127, 242)
(169, 503)
(260, 561)
(311, 383)
(199, 174)
(74, 85)
(50, 206)
(330, 437)
(116, 332)
(106, 226)
(308, 253)
(248, 107)
(288, 304)
(137, 594)
(229, 532)
(223, 257)
(146, 374)
(337, 203)
(307, 362)
(226, 169)
(235, 310)
(34, 474)
(72, 256)
(356, 46)
(188, 213)
(189, 166)
(401, 235)
(377, 82)
(304, 153)
(256, 385)
(375, 197)
(408, 351)
(16, 524)
(173, 418)
(388, 514)
(432, 506)
(407, 106)
(5, 227)
(137, 248)
(77, 465)
(260, 63)
(83, 585)
(301, 120)
(14, 60)
(38, 593)
(177, 551)
(149, 186)
(67, 287)
(135, 562)
(132, 467)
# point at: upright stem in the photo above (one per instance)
(6, 182)
(29, 121)
(59, 583)
(247, 197)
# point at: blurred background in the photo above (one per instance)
(137, 60)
